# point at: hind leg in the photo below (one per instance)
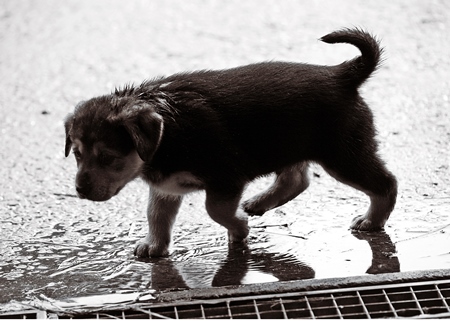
(223, 207)
(367, 173)
(290, 182)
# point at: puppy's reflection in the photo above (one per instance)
(244, 266)
(241, 266)
(384, 259)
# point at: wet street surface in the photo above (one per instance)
(55, 247)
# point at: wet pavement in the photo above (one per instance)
(54, 246)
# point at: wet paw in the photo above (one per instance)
(253, 208)
(144, 249)
(238, 237)
(362, 223)
(238, 246)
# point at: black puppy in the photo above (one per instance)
(218, 130)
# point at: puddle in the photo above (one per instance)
(49, 269)
(45, 268)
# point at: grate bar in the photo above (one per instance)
(390, 304)
(438, 290)
(203, 311)
(230, 315)
(309, 308)
(150, 314)
(363, 305)
(285, 316)
(416, 300)
(337, 307)
(256, 309)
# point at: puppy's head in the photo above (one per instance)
(111, 139)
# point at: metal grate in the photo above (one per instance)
(420, 299)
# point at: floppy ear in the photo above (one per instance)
(68, 123)
(68, 126)
(145, 127)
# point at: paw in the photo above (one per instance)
(238, 237)
(362, 223)
(145, 248)
(253, 208)
(238, 247)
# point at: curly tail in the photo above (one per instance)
(359, 69)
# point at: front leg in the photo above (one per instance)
(161, 213)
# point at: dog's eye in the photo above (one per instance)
(77, 153)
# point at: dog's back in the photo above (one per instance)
(270, 110)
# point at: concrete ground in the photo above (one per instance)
(54, 54)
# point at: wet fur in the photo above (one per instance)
(219, 130)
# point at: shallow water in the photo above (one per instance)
(88, 256)
(60, 268)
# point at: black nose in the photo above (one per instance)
(83, 184)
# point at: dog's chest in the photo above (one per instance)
(179, 183)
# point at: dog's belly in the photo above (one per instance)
(179, 183)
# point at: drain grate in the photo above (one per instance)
(419, 299)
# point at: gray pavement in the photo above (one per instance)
(54, 54)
